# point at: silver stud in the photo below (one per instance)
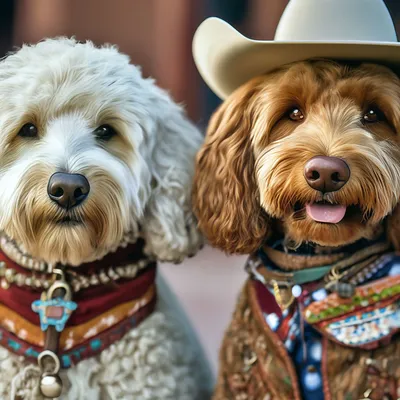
(133, 269)
(10, 273)
(76, 285)
(4, 284)
(112, 274)
(19, 279)
(103, 277)
(94, 280)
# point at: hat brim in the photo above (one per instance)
(226, 59)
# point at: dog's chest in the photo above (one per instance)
(366, 321)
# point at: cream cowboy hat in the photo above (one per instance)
(335, 29)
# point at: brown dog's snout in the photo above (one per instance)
(326, 174)
(68, 190)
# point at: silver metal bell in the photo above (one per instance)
(51, 386)
(345, 290)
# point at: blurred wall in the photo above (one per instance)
(157, 34)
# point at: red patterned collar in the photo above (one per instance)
(118, 289)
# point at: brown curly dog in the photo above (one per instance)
(301, 169)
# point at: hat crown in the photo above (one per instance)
(336, 20)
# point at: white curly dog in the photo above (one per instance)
(73, 110)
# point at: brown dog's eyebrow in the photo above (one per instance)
(382, 92)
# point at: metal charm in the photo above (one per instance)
(55, 311)
(344, 290)
(54, 308)
(50, 383)
(51, 386)
(283, 296)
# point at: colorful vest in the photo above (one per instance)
(322, 345)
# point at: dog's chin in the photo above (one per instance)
(328, 224)
(68, 241)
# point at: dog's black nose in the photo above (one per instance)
(326, 174)
(68, 190)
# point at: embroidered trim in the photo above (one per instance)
(84, 350)
(366, 327)
(333, 306)
(73, 335)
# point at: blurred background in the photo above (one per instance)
(157, 35)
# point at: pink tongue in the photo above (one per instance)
(329, 214)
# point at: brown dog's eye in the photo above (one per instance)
(28, 130)
(296, 115)
(104, 132)
(373, 115)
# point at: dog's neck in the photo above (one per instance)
(313, 249)
(125, 261)
(17, 252)
(339, 270)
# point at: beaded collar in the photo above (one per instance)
(60, 315)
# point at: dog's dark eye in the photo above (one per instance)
(104, 132)
(296, 115)
(373, 115)
(28, 130)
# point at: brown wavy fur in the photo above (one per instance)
(226, 196)
(249, 172)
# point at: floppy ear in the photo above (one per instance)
(393, 228)
(225, 194)
(169, 226)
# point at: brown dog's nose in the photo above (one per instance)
(68, 190)
(326, 174)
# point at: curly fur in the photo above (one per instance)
(249, 179)
(140, 183)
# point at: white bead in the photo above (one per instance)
(395, 270)
(316, 351)
(272, 320)
(312, 380)
(296, 290)
(319, 295)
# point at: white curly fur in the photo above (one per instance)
(140, 182)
